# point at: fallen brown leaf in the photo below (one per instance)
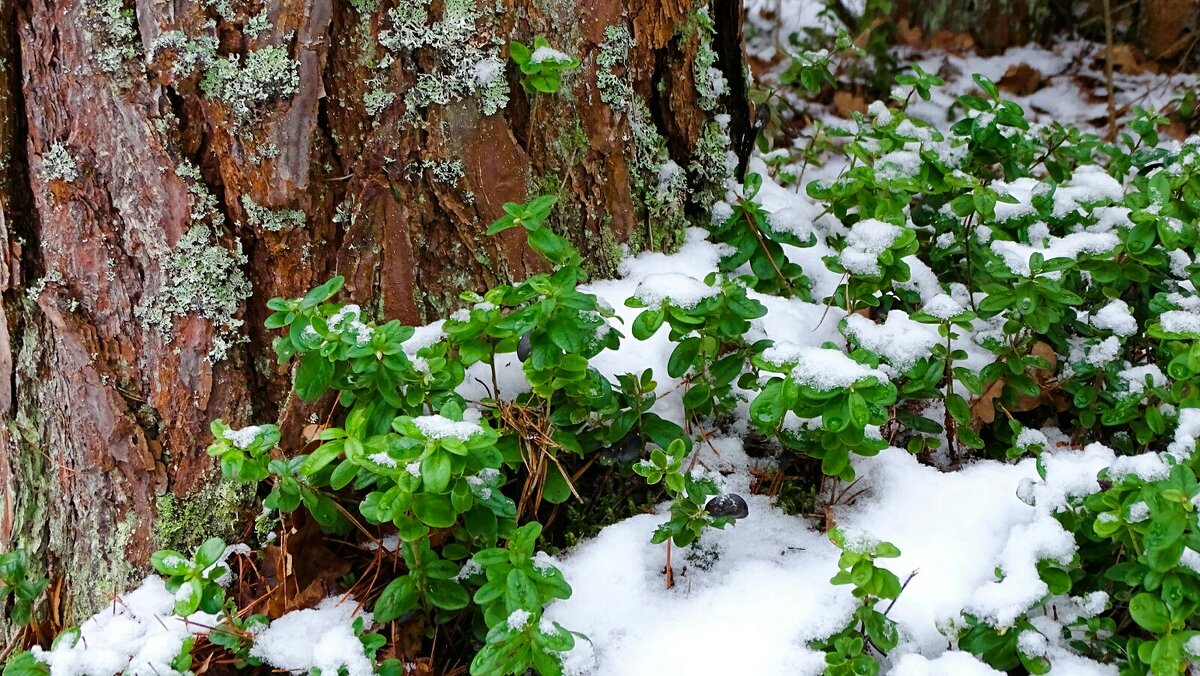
(845, 102)
(1048, 387)
(1021, 79)
(908, 34)
(983, 409)
(955, 43)
(1127, 59)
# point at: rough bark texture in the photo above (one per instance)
(149, 146)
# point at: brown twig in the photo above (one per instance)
(1108, 70)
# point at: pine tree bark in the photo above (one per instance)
(170, 166)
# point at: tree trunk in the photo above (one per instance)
(170, 166)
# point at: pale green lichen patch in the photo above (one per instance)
(649, 146)
(465, 66)
(214, 511)
(112, 26)
(223, 8)
(665, 204)
(445, 171)
(189, 53)
(58, 165)
(271, 220)
(258, 24)
(269, 72)
(201, 276)
(713, 161)
(120, 572)
(35, 289)
(365, 7)
(660, 185)
(377, 99)
(615, 87)
(409, 26)
(709, 81)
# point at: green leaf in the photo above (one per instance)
(25, 664)
(882, 631)
(1056, 579)
(313, 377)
(397, 598)
(434, 510)
(958, 408)
(322, 293)
(188, 598)
(519, 593)
(683, 357)
(697, 396)
(170, 562)
(210, 552)
(435, 471)
(447, 594)
(647, 323)
(518, 52)
(769, 407)
(556, 489)
(1167, 657)
(1150, 613)
(322, 456)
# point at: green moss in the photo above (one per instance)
(215, 511)
(571, 140)
(699, 21)
(610, 250)
(666, 204)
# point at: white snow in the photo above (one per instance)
(244, 437)
(138, 634)
(548, 54)
(898, 339)
(1016, 255)
(718, 619)
(820, 368)
(867, 239)
(943, 307)
(316, 638)
(680, 290)
(1115, 317)
(438, 427)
